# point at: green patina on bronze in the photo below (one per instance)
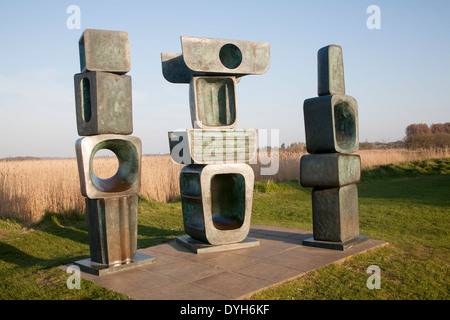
(86, 100)
(349, 168)
(104, 50)
(103, 103)
(215, 100)
(112, 225)
(104, 115)
(230, 56)
(330, 71)
(329, 170)
(331, 128)
(228, 201)
(335, 213)
(217, 203)
(193, 213)
(331, 124)
(127, 174)
(344, 125)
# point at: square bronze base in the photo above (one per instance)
(99, 269)
(311, 242)
(201, 247)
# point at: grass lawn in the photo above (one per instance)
(407, 205)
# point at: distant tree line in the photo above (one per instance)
(382, 145)
(293, 147)
(19, 158)
(422, 136)
(417, 136)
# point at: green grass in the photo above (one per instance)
(407, 205)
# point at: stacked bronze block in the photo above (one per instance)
(217, 182)
(331, 127)
(104, 118)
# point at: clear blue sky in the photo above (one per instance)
(399, 74)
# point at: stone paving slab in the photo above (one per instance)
(180, 274)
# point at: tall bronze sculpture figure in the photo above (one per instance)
(216, 183)
(331, 127)
(104, 118)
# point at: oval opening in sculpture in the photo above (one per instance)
(85, 100)
(344, 126)
(228, 201)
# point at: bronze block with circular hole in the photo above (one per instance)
(126, 181)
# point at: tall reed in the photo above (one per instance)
(29, 188)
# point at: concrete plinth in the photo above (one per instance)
(335, 245)
(180, 274)
(201, 247)
(99, 269)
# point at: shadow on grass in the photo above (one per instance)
(64, 238)
(21, 259)
(74, 227)
(151, 236)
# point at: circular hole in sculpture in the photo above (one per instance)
(230, 56)
(105, 164)
(344, 125)
(128, 169)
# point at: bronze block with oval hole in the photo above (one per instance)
(331, 124)
(103, 103)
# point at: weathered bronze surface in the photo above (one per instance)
(330, 71)
(329, 170)
(112, 229)
(103, 103)
(104, 116)
(126, 181)
(217, 202)
(331, 124)
(331, 129)
(213, 102)
(225, 56)
(335, 213)
(104, 50)
(206, 56)
(175, 70)
(216, 185)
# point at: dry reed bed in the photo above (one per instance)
(30, 188)
(289, 163)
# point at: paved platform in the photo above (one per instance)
(180, 274)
